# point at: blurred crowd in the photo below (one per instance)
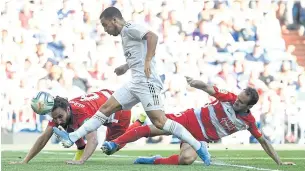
(59, 46)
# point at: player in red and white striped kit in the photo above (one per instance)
(226, 115)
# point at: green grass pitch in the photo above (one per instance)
(227, 160)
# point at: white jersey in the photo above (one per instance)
(135, 49)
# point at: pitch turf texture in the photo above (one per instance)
(123, 161)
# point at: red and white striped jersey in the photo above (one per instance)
(218, 119)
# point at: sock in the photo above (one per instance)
(132, 135)
(80, 144)
(134, 125)
(172, 160)
(81, 148)
(92, 124)
(182, 133)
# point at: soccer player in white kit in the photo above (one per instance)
(139, 46)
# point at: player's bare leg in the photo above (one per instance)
(159, 119)
(100, 117)
(187, 156)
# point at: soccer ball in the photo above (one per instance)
(42, 103)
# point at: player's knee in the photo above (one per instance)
(105, 109)
(159, 122)
(187, 159)
(109, 108)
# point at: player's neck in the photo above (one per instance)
(242, 112)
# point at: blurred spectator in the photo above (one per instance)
(266, 76)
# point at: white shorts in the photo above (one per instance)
(146, 93)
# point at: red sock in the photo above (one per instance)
(134, 125)
(172, 160)
(133, 135)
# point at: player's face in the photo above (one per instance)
(110, 26)
(241, 103)
(61, 116)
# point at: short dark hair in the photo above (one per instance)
(60, 102)
(111, 12)
(253, 95)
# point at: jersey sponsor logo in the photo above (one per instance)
(227, 124)
(89, 97)
(77, 104)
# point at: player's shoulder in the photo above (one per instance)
(131, 25)
(248, 117)
(77, 105)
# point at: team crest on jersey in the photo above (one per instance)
(127, 54)
(227, 124)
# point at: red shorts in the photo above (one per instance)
(115, 130)
(189, 121)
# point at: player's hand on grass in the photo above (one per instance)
(75, 162)
(288, 163)
(120, 70)
(147, 68)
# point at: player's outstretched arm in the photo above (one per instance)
(38, 146)
(200, 85)
(271, 152)
(152, 40)
(89, 149)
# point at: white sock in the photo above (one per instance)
(92, 124)
(183, 134)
